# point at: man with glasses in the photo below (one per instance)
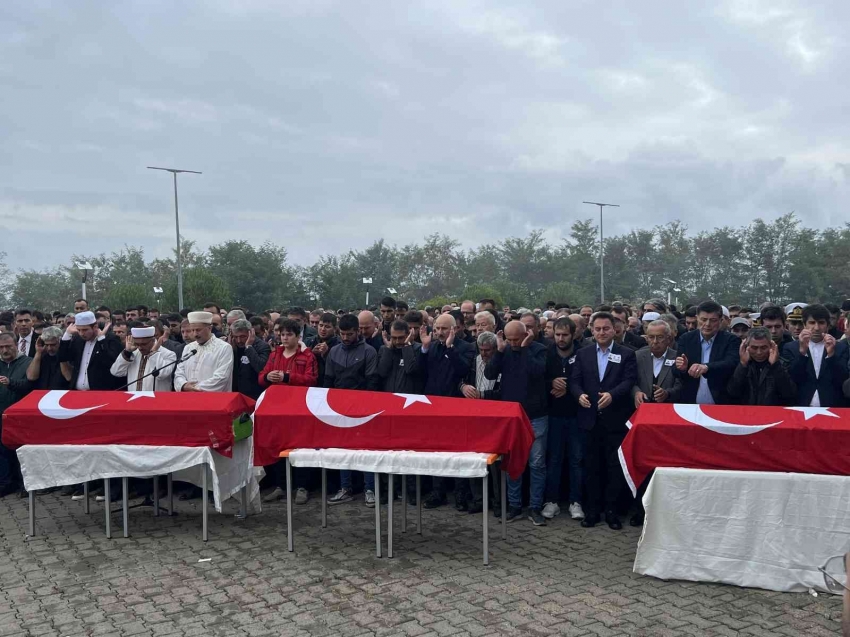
(707, 358)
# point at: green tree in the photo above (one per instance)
(257, 277)
(199, 286)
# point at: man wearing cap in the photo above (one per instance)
(794, 319)
(207, 363)
(141, 355)
(90, 353)
(740, 327)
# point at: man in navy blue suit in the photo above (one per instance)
(817, 362)
(601, 380)
(707, 358)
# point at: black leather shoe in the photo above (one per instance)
(475, 507)
(590, 520)
(637, 519)
(613, 521)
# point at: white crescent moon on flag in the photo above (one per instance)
(317, 403)
(694, 414)
(50, 407)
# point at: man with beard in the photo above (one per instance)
(326, 339)
(398, 361)
(141, 355)
(817, 362)
(45, 371)
(563, 433)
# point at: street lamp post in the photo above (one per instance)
(367, 281)
(174, 172)
(85, 266)
(601, 244)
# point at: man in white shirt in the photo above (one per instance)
(141, 355)
(206, 364)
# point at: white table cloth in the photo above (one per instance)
(44, 466)
(447, 464)
(746, 528)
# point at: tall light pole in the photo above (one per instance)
(601, 244)
(85, 266)
(368, 282)
(174, 172)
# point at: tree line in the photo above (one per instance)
(779, 261)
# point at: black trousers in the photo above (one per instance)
(605, 481)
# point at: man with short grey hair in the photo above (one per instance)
(45, 371)
(250, 356)
(485, 322)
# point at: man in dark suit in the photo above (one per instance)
(601, 380)
(707, 358)
(657, 381)
(817, 362)
(91, 355)
(26, 336)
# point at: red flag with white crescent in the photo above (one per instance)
(318, 418)
(120, 417)
(742, 438)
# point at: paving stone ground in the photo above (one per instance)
(71, 581)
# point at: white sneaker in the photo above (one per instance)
(275, 496)
(550, 510)
(370, 498)
(576, 512)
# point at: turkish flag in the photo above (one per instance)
(742, 438)
(127, 418)
(317, 418)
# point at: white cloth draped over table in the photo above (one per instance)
(746, 528)
(211, 368)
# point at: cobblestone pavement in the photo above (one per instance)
(558, 580)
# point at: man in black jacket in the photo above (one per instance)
(250, 356)
(521, 363)
(13, 386)
(760, 378)
(601, 381)
(326, 338)
(398, 361)
(445, 360)
(91, 355)
(707, 358)
(563, 432)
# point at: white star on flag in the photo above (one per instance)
(134, 395)
(409, 399)
(811, 412)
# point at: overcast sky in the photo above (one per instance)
(324, 125)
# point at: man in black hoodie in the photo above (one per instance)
(398, 361)
(326, 339)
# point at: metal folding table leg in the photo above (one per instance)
(32, 513)
(170, 495)
(205, 505)
(419, 505)
(486, 522)
(107, 510)
(324, 498)
(504, 491)
(390, 496)
(86, 498)
(404, 504)
(156, 496)
(289, 534)
(377, 515)
(125, 507)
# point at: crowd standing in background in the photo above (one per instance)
(579, 372)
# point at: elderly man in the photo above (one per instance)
(233, 316)
(760, 378)
(520, 361)
(13, 386)
(601, 381)
(141, 355)
(478, 386)
(656, 379)
(446, 361)
(207, 363)
(485, 321)
(368, 330)
(250, 355)
(45, 371)
(532, 324)
(581, 328)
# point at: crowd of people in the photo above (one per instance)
(578, 372)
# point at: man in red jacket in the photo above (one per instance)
(290, 364)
